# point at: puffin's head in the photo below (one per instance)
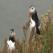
(12, 32)
(31, 10)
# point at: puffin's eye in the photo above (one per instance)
(32, 8)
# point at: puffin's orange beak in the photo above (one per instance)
(14, 33)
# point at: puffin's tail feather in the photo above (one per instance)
(37, 31)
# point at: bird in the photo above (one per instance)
(11, 41)
(34, 20)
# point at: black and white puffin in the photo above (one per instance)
(11, 40)
(12, 35)
(34, 20)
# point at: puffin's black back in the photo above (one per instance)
(35, 18)
(12, 38)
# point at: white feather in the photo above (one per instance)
(32, 9)
(32, 24)
(10, 44)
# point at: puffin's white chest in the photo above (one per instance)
(32, 23)
(10, 44)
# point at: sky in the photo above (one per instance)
(14, 13)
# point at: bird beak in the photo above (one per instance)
(30, 14)
(14, 33)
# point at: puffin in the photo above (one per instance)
(34, 20)
(11, 40)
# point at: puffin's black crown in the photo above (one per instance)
(12, 30)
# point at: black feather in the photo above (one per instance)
(37, 22)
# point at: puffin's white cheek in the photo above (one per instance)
(13, 33)
(32, 10)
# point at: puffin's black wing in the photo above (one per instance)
(12, 38)
(37, 21)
